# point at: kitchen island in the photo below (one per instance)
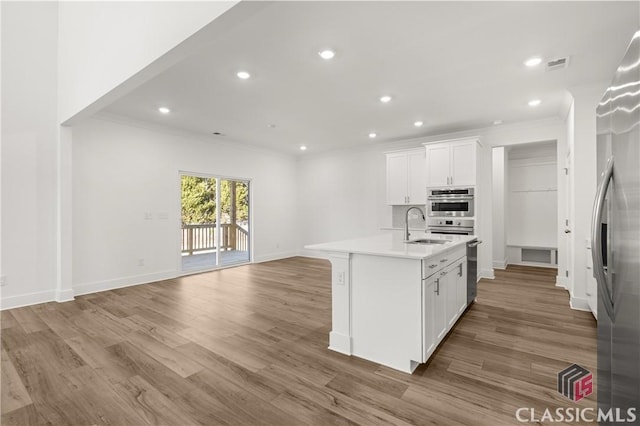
(392, 301)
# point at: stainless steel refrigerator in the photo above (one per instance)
(616, 238)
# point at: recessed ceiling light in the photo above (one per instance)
(533, 62)
(534, 102)
(243, 75)
(372, 135)
(418, 123)
(303, 148)
(497, 122)
(385, 98)
(327, 54)
(164, 110)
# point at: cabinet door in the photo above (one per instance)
(417, 190)
(397, 178)
(461, 284)
(440, 322)
(438, 165)
(451, 294)
(429, 299)
(463, 164)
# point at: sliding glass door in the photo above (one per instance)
(215, 222)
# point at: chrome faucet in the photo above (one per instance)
(407, 235)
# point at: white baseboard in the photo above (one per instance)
(500, 264)
(579, 304)
(64, 295)
(316, 254)
(27, 299)
(274, 256)
(487, 273)
(87, 288)
(340, 343)
(562, 282)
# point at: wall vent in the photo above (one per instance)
(536, 255)
(557, 64)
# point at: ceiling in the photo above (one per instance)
(453, 65)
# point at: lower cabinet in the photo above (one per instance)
(461, 285)
(428, 317)
(440, 309)
(444, 299)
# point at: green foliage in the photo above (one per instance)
(199, 200)
(242, 200)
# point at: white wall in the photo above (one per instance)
(341, 195)
(29, 163)
(499, 200)
(123, 170)
(565, 202)
(353, 180)
(104, 43)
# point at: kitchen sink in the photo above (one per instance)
(427, 241)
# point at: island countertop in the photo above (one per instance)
(392, 244)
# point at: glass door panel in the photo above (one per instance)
(234, 222)
(199, 245)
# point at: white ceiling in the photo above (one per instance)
(453, 65)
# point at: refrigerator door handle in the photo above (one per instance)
(596, 237)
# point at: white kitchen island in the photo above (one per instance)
(393, 302)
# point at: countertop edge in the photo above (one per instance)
(326, 247)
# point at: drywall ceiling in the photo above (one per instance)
(453, 65)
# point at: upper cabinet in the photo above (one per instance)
(451, 163)
(406, 177)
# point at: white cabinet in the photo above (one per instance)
(406, 177)
(453, 288)
(429, 300)
(461, 285)
(463, 163)
(452, 294)
(444, 297)
(451, 163)
(440, 323)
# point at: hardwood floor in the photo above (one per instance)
(248, 346)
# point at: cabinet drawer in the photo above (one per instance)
(436, 263)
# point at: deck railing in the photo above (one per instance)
(203, 237)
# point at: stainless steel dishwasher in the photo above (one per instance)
(472, 270)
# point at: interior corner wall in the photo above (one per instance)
(565, 241)
(104, 43)
(29, 156)
(124, 171)
(498, 181)
(583, 186)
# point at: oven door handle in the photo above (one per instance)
(450, 198)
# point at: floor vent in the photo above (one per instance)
(557, 64)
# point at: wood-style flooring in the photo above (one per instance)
(248, 346)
